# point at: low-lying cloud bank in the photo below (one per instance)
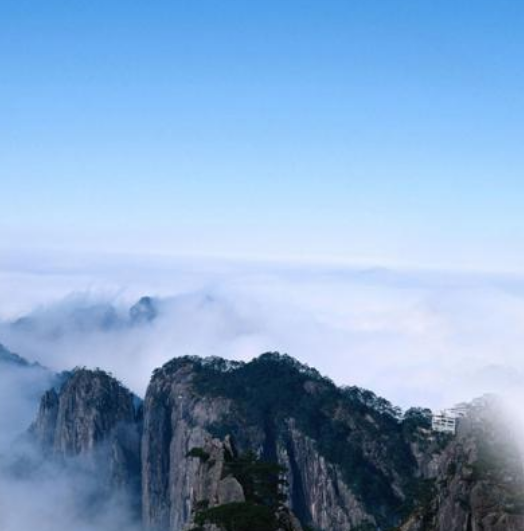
(40, 493)
(423, 338)
(20, 391)
(428, 339)
(53, 497)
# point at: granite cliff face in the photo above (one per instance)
(350, 461)
(175, 421)
(91, 417)
(477, 482)
(346, 460)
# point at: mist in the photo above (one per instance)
(41, 493)
(56, 496)
(20, 392)
(423, 338)
(416, 338)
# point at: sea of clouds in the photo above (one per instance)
(415, 337)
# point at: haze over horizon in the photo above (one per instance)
(414, 337)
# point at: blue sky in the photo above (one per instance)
(380, 132)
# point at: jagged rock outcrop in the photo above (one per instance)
(478, 481)
(351, 461)
(143, 311)
(8, 357)
(316, 487)
(175, 421)
(343, 471)
(238, 488)
(93, 417)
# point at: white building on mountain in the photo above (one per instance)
(445, 421)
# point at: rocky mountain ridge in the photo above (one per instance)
(8, 357)
(350, 460)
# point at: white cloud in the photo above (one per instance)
(423, 338)
(428, 339)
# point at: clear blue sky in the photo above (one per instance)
(380, 131)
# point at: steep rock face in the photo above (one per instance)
(352, 463)
(478, 482)
(317, 489)
(175, 420)
(93, 417)
(347, 462)
(238, 488)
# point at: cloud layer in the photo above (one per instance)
(424, 338)
(417, 338)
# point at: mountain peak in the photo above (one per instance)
(144, 310)
(6, 356)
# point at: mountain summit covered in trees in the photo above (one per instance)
(271, 445)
